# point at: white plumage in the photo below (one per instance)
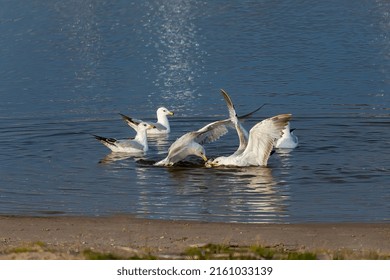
(139, 144)
(288, 139)
(254, 149)
(161, 127)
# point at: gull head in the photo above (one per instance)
(200, 152)
(162, 111)
(145, 126)
(217, 162)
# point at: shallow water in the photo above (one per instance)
(68, 68)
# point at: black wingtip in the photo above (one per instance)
(125, 117)
(98, 137)
(251, 113)
(104, 139)
(128, 119)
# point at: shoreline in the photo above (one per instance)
(125, 236)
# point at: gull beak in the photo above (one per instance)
(171, 113)
(151, 126)
(204, 158)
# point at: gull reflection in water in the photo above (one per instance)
(159, 142)
(113, 157)
(248, 194)
(259, 195)
(285, 157)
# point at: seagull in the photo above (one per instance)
(255, 148)
(139, 144)
(192, 142)
(162, 126)
(288, 139)
(260, 143)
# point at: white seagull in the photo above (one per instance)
(288, 139)
(254, 149)
(162, 126)
(191, 143)
(139, 144)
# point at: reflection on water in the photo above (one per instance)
(160, 143)
(250, 193)
(383, 41)
(81, 39)
(176, 40)
(113, 157)
(68, 68)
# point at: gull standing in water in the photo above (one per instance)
(254, 149)
(137, 145)
(288, 139)
(161, 127)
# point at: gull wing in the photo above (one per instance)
(133, 123)
(128, 143)
(244, 117)
(229, 103)
(121, 144)
(105, 140)
(262, 138)
(159, 126)
(181, 148)
(211, 132)
(241, 131)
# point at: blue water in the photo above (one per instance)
(67, 68)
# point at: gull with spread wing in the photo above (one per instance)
(191, 143)
(254, 149)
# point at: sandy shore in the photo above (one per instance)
(126, 236)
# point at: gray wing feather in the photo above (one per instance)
(211, 132)
(127, 143)
(159, 126)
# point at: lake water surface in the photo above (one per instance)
(67, 68)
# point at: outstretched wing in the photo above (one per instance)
(181, 148)
(211, 132)
(241, 131)
(262, 138)
(133, 123)
(229, 103)
(244, 117)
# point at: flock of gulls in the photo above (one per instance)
(254, 148)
